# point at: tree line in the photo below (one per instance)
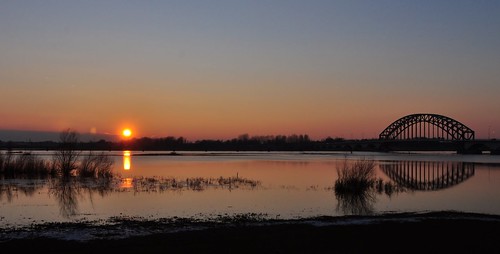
(244, 142)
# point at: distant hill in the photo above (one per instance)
(41, 136)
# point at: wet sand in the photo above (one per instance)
(444, 232)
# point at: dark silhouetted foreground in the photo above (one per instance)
(407, 233)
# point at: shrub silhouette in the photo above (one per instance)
(353, 188)
(355, 178)
(95, 165)
(66, 157)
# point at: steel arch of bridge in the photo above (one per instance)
(428, 126)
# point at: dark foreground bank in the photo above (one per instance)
(442, 232)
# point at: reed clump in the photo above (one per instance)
(27, 165)
(357, 177)
(97, 165)
(24, 165)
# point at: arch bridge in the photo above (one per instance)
(433, 132)
(427, 126)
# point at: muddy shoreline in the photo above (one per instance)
(433, 232)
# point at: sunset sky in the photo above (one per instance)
(218, 69)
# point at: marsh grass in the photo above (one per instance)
(96, 165)
(68, 191)
(354, 187)
(161, 184)
(357, 177)
(24, 165)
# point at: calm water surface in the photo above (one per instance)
(279, 185)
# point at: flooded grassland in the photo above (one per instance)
(198, 190)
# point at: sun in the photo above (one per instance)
(126, 133)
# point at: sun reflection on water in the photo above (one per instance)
(126, 160)
(127, 183)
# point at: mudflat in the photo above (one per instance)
(436, 232)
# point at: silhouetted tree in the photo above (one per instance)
(244, 137)
(66, 157)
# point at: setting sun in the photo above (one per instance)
(127, 133)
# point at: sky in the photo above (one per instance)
(218, 69)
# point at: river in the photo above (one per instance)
(284, 185)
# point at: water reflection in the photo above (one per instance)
(68, 192)
(189, 185)
(356, 203)
(404, 176)
(428, 175)
(11, 188)
(127, 183)
(126, 160)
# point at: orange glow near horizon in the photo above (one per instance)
(126, 160)
(180, 82)
(348, 125)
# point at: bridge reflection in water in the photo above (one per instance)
(428, 175)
